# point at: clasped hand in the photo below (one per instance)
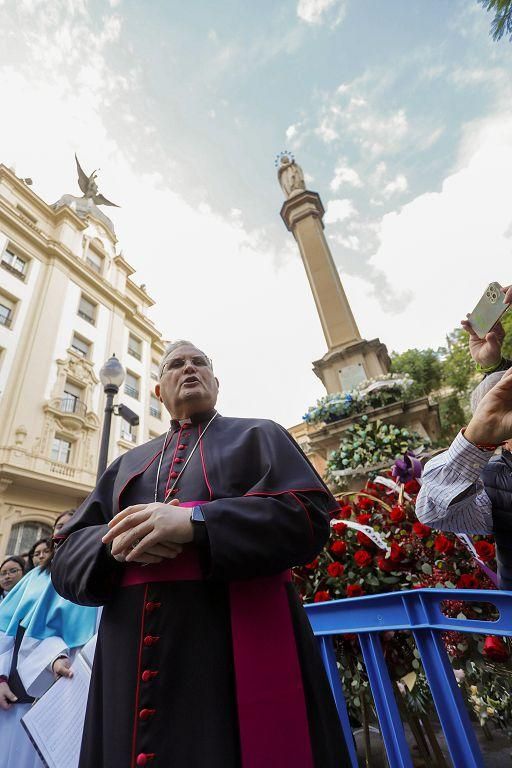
(148, 533)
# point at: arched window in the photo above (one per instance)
(24, 535)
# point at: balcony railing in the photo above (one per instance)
(85, 316)
(420, 612)
(132, 391)
(128, 436)
(5, 320)
(156, 412)
(134, 353)
(19, 272)
(69, 405)
(94, 264)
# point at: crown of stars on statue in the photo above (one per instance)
(286, 154)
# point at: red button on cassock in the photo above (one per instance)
(144, 758)
(177, 460)
(150, 607)
(145, 714)
(174, 474)
(182, 446)
(149, 674)
(150, 640)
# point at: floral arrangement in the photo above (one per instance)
(368, 395)
(367, 444)
(410, 556)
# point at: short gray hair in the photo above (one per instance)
(175, 345)
(483, 388)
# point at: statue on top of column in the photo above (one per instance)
(290, 175)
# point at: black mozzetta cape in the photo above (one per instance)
(265, 510)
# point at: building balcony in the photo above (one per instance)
(70, 411)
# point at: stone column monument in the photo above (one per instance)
(349, 358)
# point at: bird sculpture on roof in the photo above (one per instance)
(89, 187)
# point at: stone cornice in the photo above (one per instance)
(311, 204)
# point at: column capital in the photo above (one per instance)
(301, 205)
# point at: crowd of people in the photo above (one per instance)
(205, 658)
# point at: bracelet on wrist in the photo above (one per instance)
(489, 368)
(482, 446)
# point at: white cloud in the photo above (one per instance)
(343, 174)
(339, 210)
(317, 11)
(398, 184)
(447, 246)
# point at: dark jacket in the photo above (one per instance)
(497, 480)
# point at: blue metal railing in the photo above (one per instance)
(418, 611)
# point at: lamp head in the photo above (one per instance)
(112, 374)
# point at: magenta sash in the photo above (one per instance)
(274, 729)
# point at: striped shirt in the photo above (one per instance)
(452, 497)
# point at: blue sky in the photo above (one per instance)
(398, 112)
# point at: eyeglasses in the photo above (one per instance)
(10, 572)
(179, 362)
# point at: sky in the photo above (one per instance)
(399, 113)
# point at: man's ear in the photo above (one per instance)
(157, 391)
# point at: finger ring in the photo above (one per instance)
(135, 543)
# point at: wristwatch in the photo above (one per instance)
(197, 515)
(200, 531)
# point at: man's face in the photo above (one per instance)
(187, 384)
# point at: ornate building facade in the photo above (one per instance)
(67, 303)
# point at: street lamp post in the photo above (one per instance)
(111, 376)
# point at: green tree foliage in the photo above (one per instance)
(457, 365)
(423, 366)
(502, 22)
(452, 418)
(506, 322)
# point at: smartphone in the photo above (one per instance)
(489, 310)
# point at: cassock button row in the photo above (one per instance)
(144, 758)
(148, 675)
(150, 640)
(177, 460)
(145, 714)
(174, 474)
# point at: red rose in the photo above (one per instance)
(494, 648)
(363, 502)
(355, 590)
(412, 487)
(397, 514)
(485, 550)
(345, 511)
(364, 519)
(339, 528)
(397, 554)
(443, 544)
(364, 540)
(322, 597)
(335, 569)
(468, 581)
(363, 558)
(313, 565)
(338, 548)
(423, 531)
(385, 564)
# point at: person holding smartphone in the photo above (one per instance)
(467, 489)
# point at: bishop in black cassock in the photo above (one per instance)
(205, 657)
